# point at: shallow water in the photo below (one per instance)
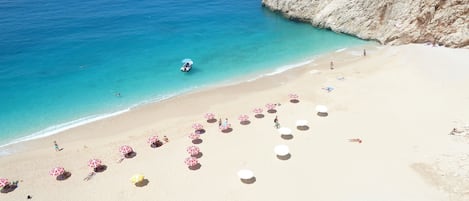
(63, 62)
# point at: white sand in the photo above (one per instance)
(401, 101)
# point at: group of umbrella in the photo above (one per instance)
(282, 151)
(194, 152)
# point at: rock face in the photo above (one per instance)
(445, 22)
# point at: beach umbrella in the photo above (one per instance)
(245, 174)
(321, 109)
(191, 161)
(270, 106)
(209, 116)
(302, 123)
(281, 150)
(284, 131)
(193, 150)
(243, 117)
(125, 149)
(57, 171)
(187, 61)
(4, 182)
(194, 136)
(137, 178)
(153, 139)
(94, 163)
(258, 110)
(197, 126)
(293, 96)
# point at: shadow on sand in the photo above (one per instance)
(100, 168)
(64, 176)
(199, 155)
(285, 157)
(259, 116)
(156, 144)
(247, 122)
(195, 167)
(323, 114)
(303, 128)
(249, 181)
(142, 183)
(294, 101)
(287, 137)
(130, 155)
(197, 141)
(211, 120)
(272, 111)
(9, 188)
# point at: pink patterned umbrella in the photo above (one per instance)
(293, 96)
(270, 106)
(57, 171)
(191, 161)
(94, 163)
(4, 182)
(197, 126)
(243, 118)
(209, 116)
(153, 139)
(258, 110)
(194, 136)
(125, 149)
(193, 150)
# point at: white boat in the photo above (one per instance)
(187, 65)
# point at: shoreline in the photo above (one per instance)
(399, 102)
(8, 147)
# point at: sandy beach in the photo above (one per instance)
(401, 101)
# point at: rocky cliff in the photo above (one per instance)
(445, 22)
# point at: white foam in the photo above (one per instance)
(63, 127)
(82, 121)
(341, 50)
(282, 69)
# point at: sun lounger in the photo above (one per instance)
(120, 160)
(90, 175)
(328, 89)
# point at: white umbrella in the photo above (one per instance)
(284, 131)
(302, 122)
(321, 109)
(245, 174)
(281, 150)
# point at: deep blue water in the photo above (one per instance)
(63, 60)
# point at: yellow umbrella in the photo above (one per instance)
(137, 178)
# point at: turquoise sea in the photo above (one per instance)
(63, 61)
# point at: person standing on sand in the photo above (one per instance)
(219, 122)
(56, 146)
(332, 65)
(364, 52)
(276, 124)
